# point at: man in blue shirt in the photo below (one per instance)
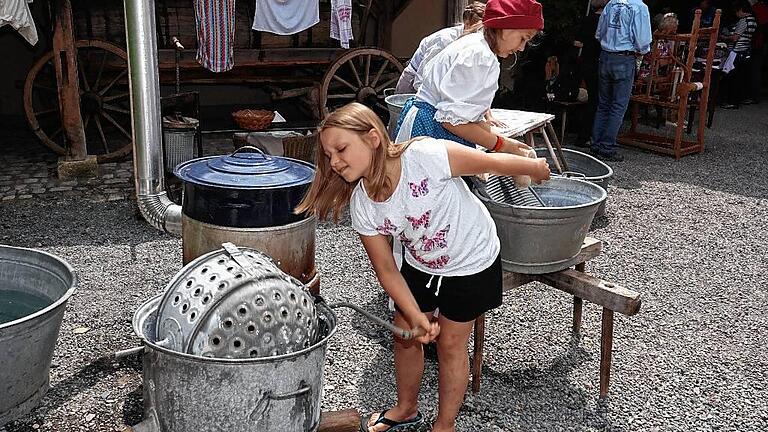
(624, 32)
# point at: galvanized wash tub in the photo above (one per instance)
(586, 167)
(395, 105)
(27, 343)
(189, 393)
(536, 240)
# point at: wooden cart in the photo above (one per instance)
(89, 38)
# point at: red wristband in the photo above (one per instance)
(499, 143)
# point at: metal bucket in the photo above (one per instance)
(189, 393)
(395, 106)
(589, 168)
(27, 343)
(536, 240)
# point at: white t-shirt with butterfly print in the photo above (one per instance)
(444, 228)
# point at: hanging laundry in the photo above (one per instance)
(286, 17)
(16, 14)
(215, 21)
(341, 21)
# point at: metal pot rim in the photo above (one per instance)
(56, 304)
(603, 196)
(587, 156)
(151, 305)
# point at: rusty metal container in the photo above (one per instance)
(247, 198)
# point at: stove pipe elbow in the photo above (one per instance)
(153, 202)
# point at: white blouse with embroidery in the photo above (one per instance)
(461, 80)
(444, 228)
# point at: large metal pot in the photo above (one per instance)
(189, 393)
(247, 198)
(534, 239)
(587, 167)
(247, 189)
(27, 343)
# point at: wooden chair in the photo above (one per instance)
(670, 84)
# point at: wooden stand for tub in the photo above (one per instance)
(612, 297)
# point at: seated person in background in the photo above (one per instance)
(430, 46)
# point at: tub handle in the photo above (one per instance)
(569, 174)
(262, 406)
(252, 149)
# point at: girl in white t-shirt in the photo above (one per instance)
(430, 46)
(412, 192)
(459, 84)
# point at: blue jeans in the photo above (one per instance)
(616, 75)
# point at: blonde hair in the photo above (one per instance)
(669, 23)
(329, 192)
(473, 13)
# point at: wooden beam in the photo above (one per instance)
(340, 421)
(589, 250)
(65, 63)
(594, 290)
(255, 57)
(606, 351)
(360, 38)
(477, 353)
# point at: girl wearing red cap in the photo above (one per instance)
(460, 82)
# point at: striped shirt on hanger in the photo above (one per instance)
(215, 21)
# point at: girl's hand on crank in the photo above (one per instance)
(425, 330)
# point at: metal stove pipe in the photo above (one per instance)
(144, 84)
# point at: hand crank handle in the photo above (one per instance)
(402, 333)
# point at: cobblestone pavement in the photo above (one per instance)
(28, 170)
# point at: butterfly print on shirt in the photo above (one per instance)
(423, 220)
(436, 242)
(419, 189)
(387, 228)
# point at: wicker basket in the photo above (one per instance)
(253, 120)
(301, 147)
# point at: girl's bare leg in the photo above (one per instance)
(409, 369)
(453, 371)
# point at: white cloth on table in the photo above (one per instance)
(341, 21)
(460, 82)
(16, 14)
(285, 17)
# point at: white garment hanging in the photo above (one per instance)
(285, 17)
(16, 14)
(341, 21)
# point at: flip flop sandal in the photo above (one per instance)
(394, 426)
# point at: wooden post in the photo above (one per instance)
(606, 345)
(65, 62)
(458, 11)
(578, 305)
(477, 353)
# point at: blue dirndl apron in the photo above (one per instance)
(425, 124)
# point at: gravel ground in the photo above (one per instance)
(690, 235)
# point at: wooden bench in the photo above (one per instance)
(612, 297)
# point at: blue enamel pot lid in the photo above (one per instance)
(247, 168)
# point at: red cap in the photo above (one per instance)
(513, 14)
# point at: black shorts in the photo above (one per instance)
(461, 298)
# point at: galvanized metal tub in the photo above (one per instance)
(27, 343)
(586, 167)
(536, 240)
(189, 393)
(395, 106)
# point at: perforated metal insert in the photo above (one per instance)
(503, 190)
(265, 317)
(199, 286)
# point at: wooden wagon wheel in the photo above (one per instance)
(104, 101)
(360, 75)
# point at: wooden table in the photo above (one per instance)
(612, 297)
(526, 124)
